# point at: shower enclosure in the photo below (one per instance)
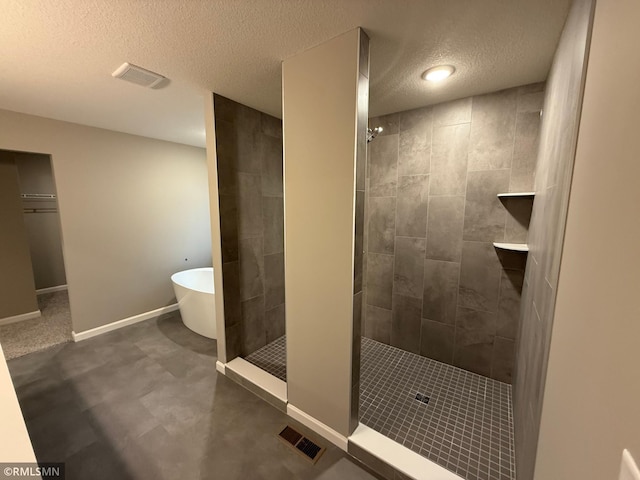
(439, 269)
(249, 168)
(441, 300)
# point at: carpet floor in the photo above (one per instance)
(52, 328)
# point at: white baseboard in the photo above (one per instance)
(220, 367)
(320, 428)
(57, 288)
(77, 337)
(20, 318)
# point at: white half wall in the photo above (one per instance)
(320, 91)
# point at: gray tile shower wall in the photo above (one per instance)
(434, 283)
(554, 169)
(249, 160)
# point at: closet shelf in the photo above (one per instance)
(514, 247)
(517, 194)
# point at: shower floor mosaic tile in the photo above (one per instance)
(272, 358)
(458, 419)
(466, 426)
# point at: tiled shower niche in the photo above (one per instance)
(434, 283)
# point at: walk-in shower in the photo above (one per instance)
(441, 307)
(441, 301)
(250, 193)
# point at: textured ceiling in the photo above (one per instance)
(57, 57)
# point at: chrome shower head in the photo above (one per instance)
(373, 133)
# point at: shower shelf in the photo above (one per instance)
(514, 247)
(517, 194)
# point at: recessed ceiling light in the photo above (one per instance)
(439, 73)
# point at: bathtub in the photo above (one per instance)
(196, 300)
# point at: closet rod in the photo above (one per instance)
(39, 196)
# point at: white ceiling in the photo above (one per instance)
(56, 57)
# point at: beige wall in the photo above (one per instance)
(132, 209)
(17, 288)
(320, 118)
(591, 407)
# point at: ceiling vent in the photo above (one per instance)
(138, 75)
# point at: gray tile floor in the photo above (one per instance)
(466, 426)
(145, 402)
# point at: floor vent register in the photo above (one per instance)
(301, 444)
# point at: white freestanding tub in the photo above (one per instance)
(196, 299)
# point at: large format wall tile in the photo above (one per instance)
(509, 305)
(525, 152)
(271, 153)
(382, 221)
(406, 323)
(270, 126)
(229, 228)
(414, 152)
(557, 137)
(253, 335)
(249, 165)
(503, 358)
(531, 97)
(408, 268)
(449, 156)
(383, 166)
(232, 300)
(274, 322)
(444, 227)
(378, 324)
(251, 268)
(470, 292)
(273, 224)
(249, 205)
(511, 260)
(492, 130)
(440, 291)
(379, 280)
(452, 113)
(474, 351)
(518, 219)
(248, 143)
(475, 333)
(479, 277)
(476, 320)
(484, 214)
(273, 280)
(225, 159)
(412, 206)
(437, 341)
